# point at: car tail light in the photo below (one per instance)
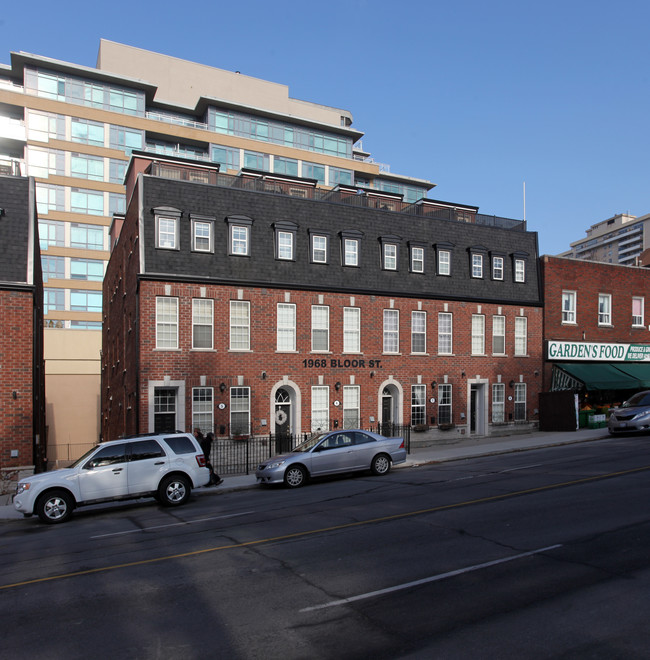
(200, 459)
(402, 445)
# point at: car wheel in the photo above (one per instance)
(174, 490)
(55, 506)
(295, 476)
(380, 464)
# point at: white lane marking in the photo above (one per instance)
(433, 578)
(523, 467)
(178, 524)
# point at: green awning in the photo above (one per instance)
(602, 375)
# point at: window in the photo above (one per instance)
(202, 409)
(351, 397)
(89, 202)
(167, 228)
(478, 334)
(116, 204)
(320, 415)
(477, 265)
(444, 404)
(417, 259)
(240, 325)
(497, 268)
(444, 333)
(86, 237)
(351, 330)
(444, 262)
(285, 240)
(637, 311)
(391, 331)
(239, 228)
(520, 402)
(43, 162)
(418, 405)
(568, 306)
(52, 267)
(49, 198)
(85, 301)
(145, 449)
(240, 410)
(44, 126)
(498, 403)
(320, 328)
(202, 323)
(351, 252)
(125, 139)
(418, 332)
(164, 410)
(499, 335)
(167, 323)
(85, 131)
(51, 233)
(202, 232)
(91, 270)
(338, 175)
(319, 248)
(604, 309)
(53, 300)
(314, 171)
(520, 270)
(285, 166)
(286, 332)
(521, 335)
(87, 167)
(390, 256)
(254, 160)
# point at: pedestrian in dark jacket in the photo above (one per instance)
(206, 445)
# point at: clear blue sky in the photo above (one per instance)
(476, 96)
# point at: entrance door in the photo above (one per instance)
(282, 421)
(473, 394)
(386, 411)
(477, 409)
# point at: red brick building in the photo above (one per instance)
(22, 389)
(261, 304)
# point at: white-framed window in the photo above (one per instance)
(286, 332)
(418, 332)
(239, 240)
(417, 259)
(240, 325)
(521, 335)
(497, 268)
(202, 235)
(520, 270)
(320, 328)
(166, 322)
(418, 405)
(320, 408)
(240, 410)
(444, 262)
(285, 245)
(477, 265)
(351, 330)
(350, 252)
(499, 335)
(604, 309)
(445, 327)
(391, 331)
(478, 334)
(498, 403)
(203, 409)
(167, 232)
(568, 306)
(351, 398)
(319, 248)
(165, 409)
(202, 323)
(444, 403)
(390, 256)
(637, 311)
(520, 402)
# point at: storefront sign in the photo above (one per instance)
(596, 351)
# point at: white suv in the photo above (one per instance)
(166, 466)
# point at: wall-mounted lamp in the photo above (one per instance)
(222, 387)
(264, 375)
(536, 372)
(337, 387)
(433, 385)
(463, 374)
(512, 384)
(14, 394)
(372, 374)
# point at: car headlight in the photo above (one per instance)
(643, 415)
(275, 464)
(22, 487)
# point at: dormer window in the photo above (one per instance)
(351, 248)
(477, 258)
(389, 252)
(519, 266)
(285, 240)
(443, 258)
(167, 228)
(239, 231)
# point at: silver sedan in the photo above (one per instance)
(632, 416)
(333, 453)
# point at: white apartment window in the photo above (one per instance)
(418, 405)
(390, 256)
(351, 252)
(604, 309)
(320, 328)
(477, 265)
(167, 232)
(520, 402)
(521, 335)
(417, 260)
(444, 404)
(568, 306)
(637, 311)
(391, 331)
(202, 409)
(444, 262)
(239, 243)
(520, 270)
(202, 235)
(164, 409)
(240, 325)
(351, 330)
(499, 335)
(444, 333)
(498, 403)
(418, 332)
(351, 399)
(286, 337)
(478, 334)
(497, 268)
(285, 245)
(320, 410)
(202, 323)
(319, 249)
(240, 410)
(167, 323)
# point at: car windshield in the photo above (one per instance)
(309, 444)
(640, 399)
(84, 457)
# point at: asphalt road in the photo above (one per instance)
(543, 554)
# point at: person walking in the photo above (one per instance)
(206, 445)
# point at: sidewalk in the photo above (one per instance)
(436, 453)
